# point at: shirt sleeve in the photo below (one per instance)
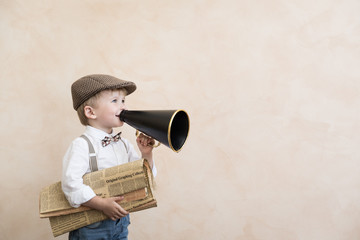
(133, 156)
(75, 165)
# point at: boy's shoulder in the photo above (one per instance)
(79, 143)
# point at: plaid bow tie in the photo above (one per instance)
(107, 140)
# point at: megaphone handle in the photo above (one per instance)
(137, 133)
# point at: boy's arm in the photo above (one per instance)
(75, 165)
(108, 206)
(145, 145)
(133, 156)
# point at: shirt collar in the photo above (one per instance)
(97, 133)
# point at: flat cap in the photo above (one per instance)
(88, 86)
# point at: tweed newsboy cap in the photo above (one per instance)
(88, 86)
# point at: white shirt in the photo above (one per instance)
(76, 163)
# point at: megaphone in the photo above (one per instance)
(170, 127)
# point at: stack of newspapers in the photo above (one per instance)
(133, 180)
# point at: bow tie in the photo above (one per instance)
(107, 140)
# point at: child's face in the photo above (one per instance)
(108, 106)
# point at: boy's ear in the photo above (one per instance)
(89, 112)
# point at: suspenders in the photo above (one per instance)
(92, 155)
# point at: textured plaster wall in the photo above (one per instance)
(271, 87)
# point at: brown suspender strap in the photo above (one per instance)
(127, 151)
(92, 155)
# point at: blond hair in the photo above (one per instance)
(92, 102)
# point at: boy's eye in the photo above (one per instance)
(114, 100)
(123, 101)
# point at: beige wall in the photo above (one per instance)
(271, 87)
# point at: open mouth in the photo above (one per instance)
(118, 116)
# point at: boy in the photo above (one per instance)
(98, 100)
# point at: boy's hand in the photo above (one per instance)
(109, 206)
(112, 209)
(145, 144)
